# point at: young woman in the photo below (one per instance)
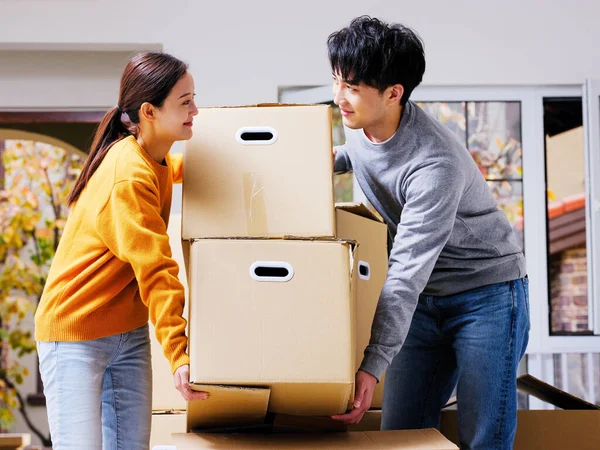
(113, 269)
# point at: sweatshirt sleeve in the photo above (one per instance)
(342, 162)
(176, 164)
(432, 193)
(132, 228)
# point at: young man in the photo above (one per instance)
(454, 308)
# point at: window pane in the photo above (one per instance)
(494, 139)
(578, 374)
(451, 114)
(567, 254)
(509, 195)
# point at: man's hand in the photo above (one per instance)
(334, 152)
(363, 396)
(182, 383)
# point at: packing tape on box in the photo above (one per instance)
(256, 213)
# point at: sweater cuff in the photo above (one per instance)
(374, 364)
(180, 361)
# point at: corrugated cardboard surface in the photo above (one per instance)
(227, 406)
(236, 190)
(298, 333)
(357, 223)
(576, 428)
(377, 440)
(371, 421)
(163, 425)
(286, 423)
(544, 429)
(164, 395)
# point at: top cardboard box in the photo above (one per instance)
(259, 171)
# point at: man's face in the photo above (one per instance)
(361, 106)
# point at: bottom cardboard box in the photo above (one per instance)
(164, 425)
(429, 439)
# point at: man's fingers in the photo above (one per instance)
(353, 417)
(359, 395)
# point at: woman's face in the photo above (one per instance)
(175, 117)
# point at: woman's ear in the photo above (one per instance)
(147, 111)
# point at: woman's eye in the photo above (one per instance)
(187, 102)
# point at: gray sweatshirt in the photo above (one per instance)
(446, 232)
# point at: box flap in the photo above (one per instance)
(359, 209)
(311, 398)
(550, 394)
(227, 407)
(375, 440)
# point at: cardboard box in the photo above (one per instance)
(356, 222)
(163, 425)
(277, 314)
(228, 407)
(376, 440)
(14, 441)
(577, 427)
(260, 171)
(371, 421)
(164, 395)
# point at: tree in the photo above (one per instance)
(38, 178)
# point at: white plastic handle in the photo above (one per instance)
(254, 130)
(364, 265)
(274, 265)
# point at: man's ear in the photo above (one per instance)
(148, 111)
(395, 93)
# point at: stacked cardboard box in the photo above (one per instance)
(282, 285)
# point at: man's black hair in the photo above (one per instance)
(377, 54)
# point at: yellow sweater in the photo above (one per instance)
(113, 268)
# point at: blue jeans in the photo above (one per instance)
(474, 341)
(99, 392)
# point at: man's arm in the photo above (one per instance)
(433, 193)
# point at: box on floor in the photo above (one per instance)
(376, 440)
(164, 425)
(576, 426)
(14, 441)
